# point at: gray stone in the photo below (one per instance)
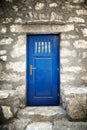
(78, 1)
(6, 93)
(6, 86)
(21, 92)
(2, 52)
(3, 58)
(81, 12)
(55, 16)
(67, 77)
(20, 124)
(66, 53)
(15, 8)
(7, 112)
(39, 6)
(43, 113)
(10, 99)
(8, 20)
(65, 44)
(84, 55)
(84, 78)
(80, 44)
(3, 29)
(18, 20)
(68, 36)
(6, 41)
(74, 69)
(40, 126)
(84, 31)
(75, 102)
(19, 48)
(76, 20)
(69, 125)
(16, 66)
(42, 28)
(13, 77)
(3, 95)
(64, 61)
(9, 1)
(53, 5)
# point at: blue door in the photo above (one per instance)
(43, 70)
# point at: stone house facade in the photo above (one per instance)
(68, 19)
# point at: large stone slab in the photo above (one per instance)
(42, 113)
(69, 125)
(40, 126)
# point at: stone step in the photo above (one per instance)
(56, 124)
(43, 118)
(36, 114)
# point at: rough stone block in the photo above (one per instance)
(39, 6)
(55, 16)
(20, 124)
(16, 66)
(73, 69)
(3, 29)
(3, 95)
(76, 20)
(81, 12)
(6, 41)
(82, 44)
(21, 93)
(84, 55)
(19, 49)
(84, 32)
(69, 125)
(6, 86)
(53, 5)
(64, 61)
(68, 36)
(66, 53)
(19, 20)
(65, 78)
(13, 77)
(7, 112)
(8, 20)
(65, 44)
(15, 8)
(3, 58)
(78, 1)
(2, 52)
(75, 102)
(84, 78)
(9, 102)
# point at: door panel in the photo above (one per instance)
(43, 70)
(43, 74)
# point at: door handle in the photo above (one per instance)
(31, 69)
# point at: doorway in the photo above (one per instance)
(43, 70)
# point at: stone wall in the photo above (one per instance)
(68, 18)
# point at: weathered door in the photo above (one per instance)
(43, 70)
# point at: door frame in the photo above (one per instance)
(26, 59)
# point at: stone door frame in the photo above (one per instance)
(40, 28)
